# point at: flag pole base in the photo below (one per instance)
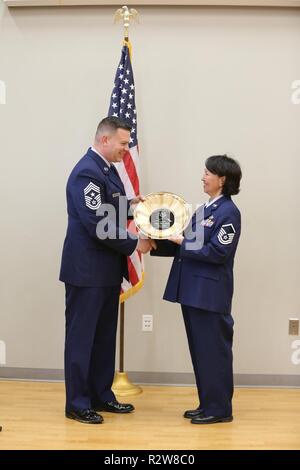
(123, 387)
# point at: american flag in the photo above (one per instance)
(122, 104)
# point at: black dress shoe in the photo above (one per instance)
(211, 419)
(190, 414)
(114, 407)
(85, 416)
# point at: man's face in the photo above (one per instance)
(116, 145)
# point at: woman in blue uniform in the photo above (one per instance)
(201, 280)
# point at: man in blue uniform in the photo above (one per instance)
(201, 280)
(93, 265)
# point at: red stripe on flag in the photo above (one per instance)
(131, 171)
(132, 273)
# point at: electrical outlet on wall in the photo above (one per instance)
(147, 323)
(294, 326)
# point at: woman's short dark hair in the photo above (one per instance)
(222, 165)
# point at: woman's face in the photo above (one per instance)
(212, 184)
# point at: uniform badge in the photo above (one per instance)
(92, 196)
(208, 222)
(226, 234)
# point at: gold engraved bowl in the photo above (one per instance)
(161, 215)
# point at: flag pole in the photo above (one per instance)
(122, 321)
(122, 386)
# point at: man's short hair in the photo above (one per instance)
(112, 124)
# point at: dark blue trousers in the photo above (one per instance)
(90, 344)
(210, 337)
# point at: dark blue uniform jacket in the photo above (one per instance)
(203, 277)
(88, 261)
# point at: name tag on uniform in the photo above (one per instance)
(208, 222)
(116, 194)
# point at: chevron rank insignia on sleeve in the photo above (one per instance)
(92, 196)
(226, 234)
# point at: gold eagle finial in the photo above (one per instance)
(127, 16)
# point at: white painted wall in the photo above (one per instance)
(208, 80)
